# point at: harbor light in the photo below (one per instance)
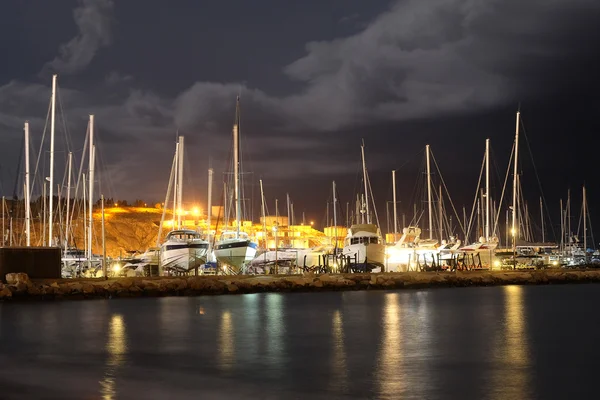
(512, 231)
(497, 263)
(196, 211)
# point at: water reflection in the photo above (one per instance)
(117, 350)
(389, 374)
(512, 379)
(226, 342)
(175, 322)
(340, 371)
(275, 332)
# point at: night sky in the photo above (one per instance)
(315, 78)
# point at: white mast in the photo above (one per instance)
(104, 240)
(441, 215)
(562, 226)
(68, 222)
(176, 161)
(366, 200)
(515, 177)
(209, 200)
(568, 224)
(85, 232)
(276, 232)
(236, 167)
(91, 189)
(584, 222)
(487, 190)
(542, 219)
(52, 117)
(429, 203)
(264, 215)
(335, 217)
(27, 199)
(394, 198)
(180, 182)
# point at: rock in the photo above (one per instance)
(126, 283)
(5, 293)
(75, 287)
(317, 283)
(15, 277)
(20, 287)
(35, 290)
(86, 288)
(135, 290)
(232, 288)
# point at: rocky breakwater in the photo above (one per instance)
(19, 286)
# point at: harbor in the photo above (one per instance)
(101, 237)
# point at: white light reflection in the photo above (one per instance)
(339, 368)
(512, 380)
(389, 369)
(226, 344)
(275, 332)
(117, 349)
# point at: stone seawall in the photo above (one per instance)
(20, 287)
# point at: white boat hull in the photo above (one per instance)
(235, 253)
(365, 253)
(182, 256)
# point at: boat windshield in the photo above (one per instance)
(183, 235)
(364, 240)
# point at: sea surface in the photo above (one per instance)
(511, 342)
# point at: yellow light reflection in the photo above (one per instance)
(512, 379)
(226, 345)
(340, 372)
(391, 384)
(117, 349)
(275, 332)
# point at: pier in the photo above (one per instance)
(18, 286)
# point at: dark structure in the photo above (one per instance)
(37, 262)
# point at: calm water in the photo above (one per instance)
(477, 343)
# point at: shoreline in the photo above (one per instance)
(20, 287)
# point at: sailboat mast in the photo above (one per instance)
(429, 203)
(27, 199)
(441, 215)
(542, 219)
(584, 221)
(176, 166)
(562, 226)
(180, 182)
(364, 165)
(68, 221)
(52, 123)
(569, 239)
(487, 190)
(395, 211)
(289, 217)
(515, 177)
(334, 217)
(209, 200)
(263, 210)
(90, 188)
(236, 167)
(104, 239)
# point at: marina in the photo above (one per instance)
(223, 239)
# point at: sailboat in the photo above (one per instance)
(363, 244)
(235, 248)
(184, 249)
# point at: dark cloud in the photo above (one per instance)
(417, 72)
(93, 19)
